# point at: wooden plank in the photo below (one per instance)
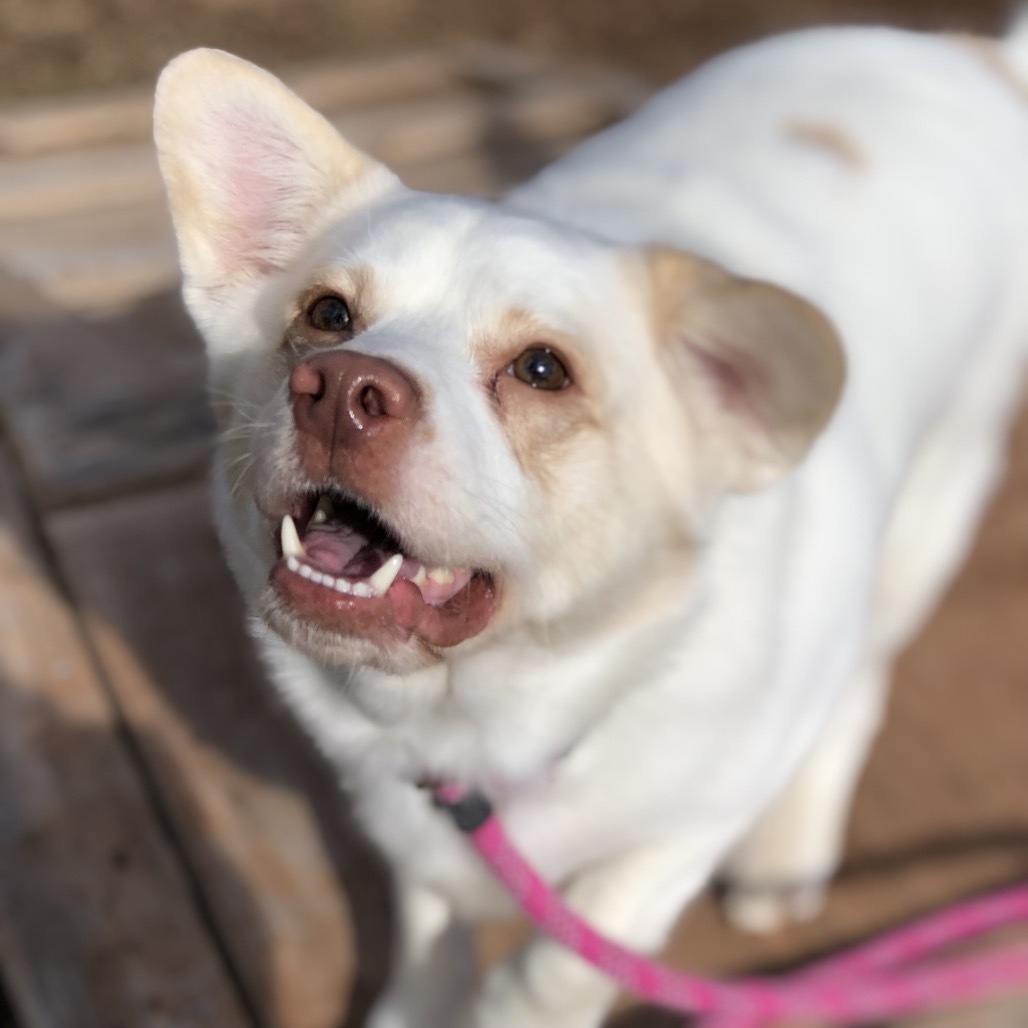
(498, 66)
(546, 108)
(89, 121)
(401, 134)
(96, 262)
(97, 408)
(88, 227)
(237, 776)
(375, 81)
(64, 183)
(86, 121)
(98, 927)
(487, 171)
(19, 304)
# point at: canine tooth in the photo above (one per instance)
(442, 576)
(322, 511)
(386, 574)
(306, 570)
(420, 577)
(293, 564)
(291, 545)
(362, 589)
(343, 585)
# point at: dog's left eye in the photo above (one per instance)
(330, 314)
(540, 368)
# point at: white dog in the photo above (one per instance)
(575, 497)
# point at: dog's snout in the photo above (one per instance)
(349, 405)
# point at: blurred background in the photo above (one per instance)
(172, 852)
(59, 46)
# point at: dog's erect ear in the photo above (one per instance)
(760, 369)
(250, 168)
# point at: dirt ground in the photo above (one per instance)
(58, 46)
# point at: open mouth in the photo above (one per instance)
(342, 568)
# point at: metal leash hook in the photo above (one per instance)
(875, 979)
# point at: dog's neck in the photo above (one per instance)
(502, 714)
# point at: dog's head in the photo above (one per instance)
(440, 418)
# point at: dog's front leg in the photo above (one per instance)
(779, 871)
(433, 966)
(633, 899)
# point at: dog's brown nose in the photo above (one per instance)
(349, 407)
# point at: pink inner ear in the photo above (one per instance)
(262, 180)
(736, 377)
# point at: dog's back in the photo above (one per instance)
(878, 173)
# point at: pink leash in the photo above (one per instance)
(873, 980)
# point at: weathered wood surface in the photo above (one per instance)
(32, 128)
(98, 259)
(95, 409)
(98, 923)
(403, 134)
(81, 204)
(236, 776)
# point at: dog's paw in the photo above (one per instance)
(762, 909)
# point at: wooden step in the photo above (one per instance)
(403, 134)
(82, 210)
(93, 260)
(99, 926)
(96, 261)
(261, 821)
(84, 122)
(99, 408)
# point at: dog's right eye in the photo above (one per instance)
(540, 368)
(330, 314)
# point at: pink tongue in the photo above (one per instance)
(333, 551)
(349, 554)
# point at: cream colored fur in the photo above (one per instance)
(706, 560)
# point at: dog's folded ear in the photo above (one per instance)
(759, 369)
(251, 170)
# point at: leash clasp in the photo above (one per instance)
(470, 810)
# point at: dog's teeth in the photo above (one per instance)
(362, 589)
(317, 576)
(291, 545)
(323, 511)
(293, 564)
(421, 577)
(386, 574)
(442, 576)
(306, 571)
(343, 585)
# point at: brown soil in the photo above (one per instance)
(59, 46)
